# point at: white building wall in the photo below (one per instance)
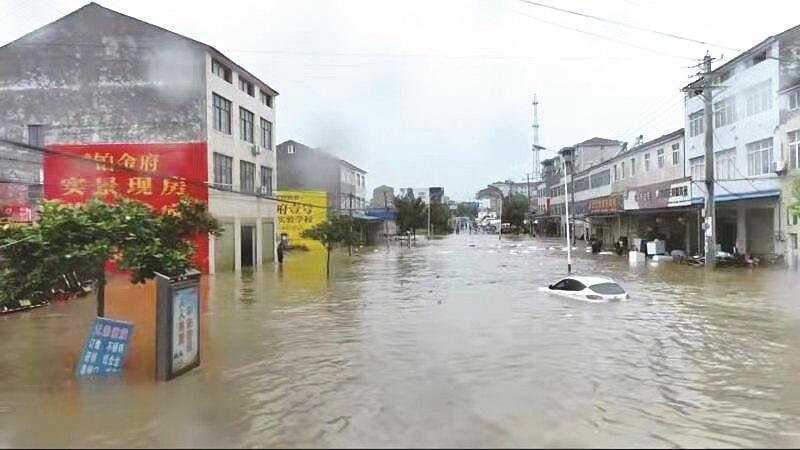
(655, 174)
(743, 77)
(231, 208)
(743, 131)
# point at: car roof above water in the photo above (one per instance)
(591, 281)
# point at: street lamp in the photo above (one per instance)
(566, 210)
(500, 232)
(568, 156)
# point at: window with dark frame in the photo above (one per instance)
(223, 171)
(221, 70)
(266, 180)
(247, 87)
(222, 114)
(759, 57)
(247, 176)
(266, 134)
(246, 125)
(266, 98)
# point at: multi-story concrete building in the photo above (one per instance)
(382, 197)
(304, 168)
(656, 193)
(748, 130)
(640, 192)
(98, 78)
(789, 104)
(595, 151)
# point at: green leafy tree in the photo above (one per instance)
(467, 209)
(80, 239)
(440, 218)
(337, 229)
(514, 209)
(410, 214)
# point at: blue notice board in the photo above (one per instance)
(104, 351)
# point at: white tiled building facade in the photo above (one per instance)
(241, 157)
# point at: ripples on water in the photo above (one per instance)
(446, 344)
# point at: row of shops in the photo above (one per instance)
(673, 213)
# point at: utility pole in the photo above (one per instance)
(430, 204)
(350, 237)
(386, 220)
(566, 211)
(572, 193)
(500, 233)
(529, 204)
(711, 215)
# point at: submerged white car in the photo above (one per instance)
(589, 289)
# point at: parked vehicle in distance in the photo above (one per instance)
(589, 289)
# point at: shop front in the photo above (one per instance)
(604, 219)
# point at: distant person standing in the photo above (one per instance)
(282, 247)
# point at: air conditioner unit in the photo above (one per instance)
(779, 166)
(256, 149)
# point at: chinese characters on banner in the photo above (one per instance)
(293, 218)
(104, 351)
(155, 174)
(185, 330)
(14, 203)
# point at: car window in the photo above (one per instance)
(561, 285)
(574, 285)
(607, 289)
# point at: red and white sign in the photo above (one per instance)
(155, 174)
(16, 213)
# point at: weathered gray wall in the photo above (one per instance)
(789, 54)
(96, 76)
(308, 169)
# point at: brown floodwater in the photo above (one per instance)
(446, 344)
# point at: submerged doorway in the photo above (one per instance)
(248, 246)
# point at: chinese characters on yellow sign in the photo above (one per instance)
(301, 211)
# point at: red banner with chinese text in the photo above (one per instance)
(154, 174)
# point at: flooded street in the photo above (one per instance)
(446, 344)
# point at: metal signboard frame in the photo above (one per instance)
(169, 291)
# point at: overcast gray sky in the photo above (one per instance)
(438, 92)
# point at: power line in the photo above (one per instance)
(600, 36)
(628, 25)
(669, 108)
(195, 182)
(652, 107)
(735, 166)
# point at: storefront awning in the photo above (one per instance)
(365, 218)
